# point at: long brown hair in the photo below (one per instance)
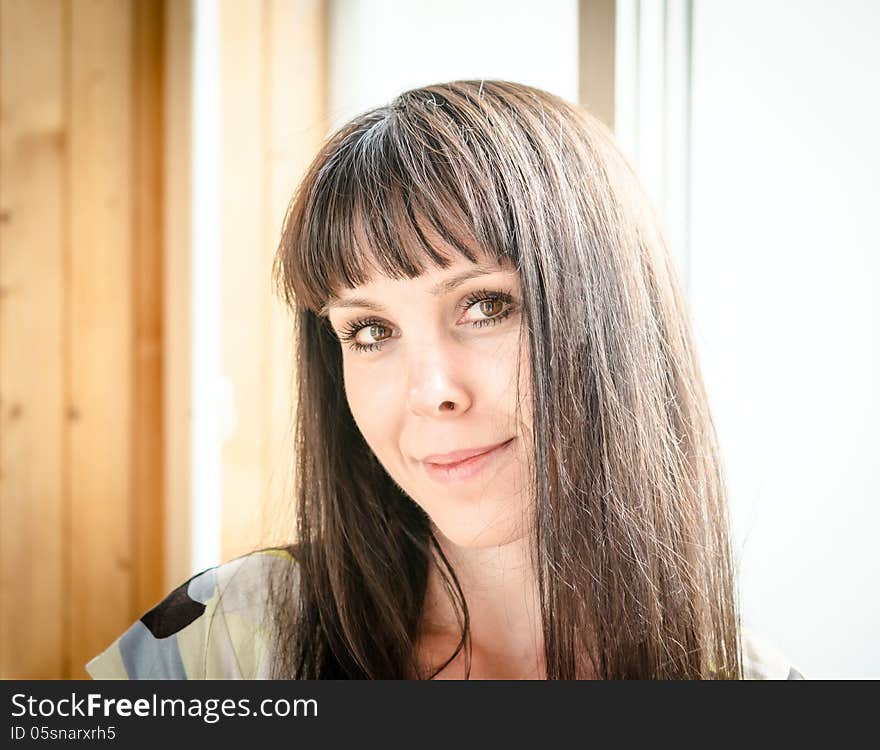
(630, 536)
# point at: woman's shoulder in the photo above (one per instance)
(212, 626)
(764, 661)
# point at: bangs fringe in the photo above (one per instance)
(391, 198)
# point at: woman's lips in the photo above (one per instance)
(460, 471)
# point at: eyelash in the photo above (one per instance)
(352, 329)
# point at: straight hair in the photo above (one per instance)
(629, 531)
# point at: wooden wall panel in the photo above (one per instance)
(148, 477)
(99, 328)
(33, 544)
(95, 303)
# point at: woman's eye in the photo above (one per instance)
(490, 310)
(375, 334)
(483, 308)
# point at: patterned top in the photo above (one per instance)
(212, 627)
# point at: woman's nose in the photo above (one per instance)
(435, 382)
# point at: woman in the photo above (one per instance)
(505, 462)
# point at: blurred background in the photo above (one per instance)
(148, 152)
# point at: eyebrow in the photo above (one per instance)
(442, 287)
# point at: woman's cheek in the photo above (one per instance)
(371, 399)
(356, 393)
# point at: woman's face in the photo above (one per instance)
(430, 368)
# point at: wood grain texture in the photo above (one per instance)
(99, 328)
(96, 295)
(147, 198)
(32, 247)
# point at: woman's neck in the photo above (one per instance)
(501, 592)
